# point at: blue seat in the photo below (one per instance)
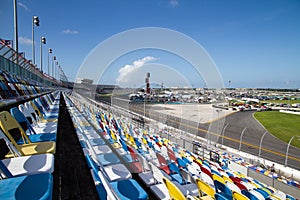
(47, 105)
(249, 195)
(223, 189)
(262, 192)
(4, 170)
(24, 123)
(219, 196)
(97, 141)
(186, 160)
(129, 189)
(37, 186)
(124, 145)
(175, 173)
(125, 189)
(45, 114)
(290, 197)
(108, 159)
(99, 187)
(181, 163)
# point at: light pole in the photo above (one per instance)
(144, 107)
(55, 69)
(53, 61)
(43, 41)
(16, 30)
(59, 71)
(49, 52)
(35, 22)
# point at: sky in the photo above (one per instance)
(251, 43)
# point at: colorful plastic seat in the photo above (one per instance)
(204, 188)
(24, 123)
(223, 189)
(129, 189)
(249, 195)
(8, 124)
(174, 192)
(37, 186)
(239, 196)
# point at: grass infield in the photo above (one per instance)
(281, 125)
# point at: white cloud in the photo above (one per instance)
(173, 3)
(23, 6)
(70, 32)
(160, 73)
(125, 71)
(25, 40)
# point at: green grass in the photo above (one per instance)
(281, 125)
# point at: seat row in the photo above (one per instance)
(28, 147)
(112, 176)
(261, 170)
(165, 169)
(14, 89)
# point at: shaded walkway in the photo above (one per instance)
(72, 177)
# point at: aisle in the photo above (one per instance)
(72, 177)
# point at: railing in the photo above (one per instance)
(19, 65)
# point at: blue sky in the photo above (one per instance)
(253, 43)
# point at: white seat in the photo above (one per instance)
(146, 176)
(160, 191)
(207, 179)
(233, 187)
(27, 165)
(117, 172)
(102, 149)
(280, 194)
(257, 194)
(37, 121)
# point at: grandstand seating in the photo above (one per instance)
(28, 163)
(161, 160)
(125, 161)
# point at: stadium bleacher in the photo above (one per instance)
(27, 152)
(125, 161)
(163, 165)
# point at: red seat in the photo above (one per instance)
(163, 163)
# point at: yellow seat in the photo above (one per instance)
(227, 179)
(218, 178)
(204, 188)
(274, 197)
(266, 190)
(131, 142)
(239, 196)
(174, 192)
(144, 141)
(84, 123)
(34, 148)
(8, 123)
(42, 119)
(116, 144)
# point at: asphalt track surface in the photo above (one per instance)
(272, 149)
